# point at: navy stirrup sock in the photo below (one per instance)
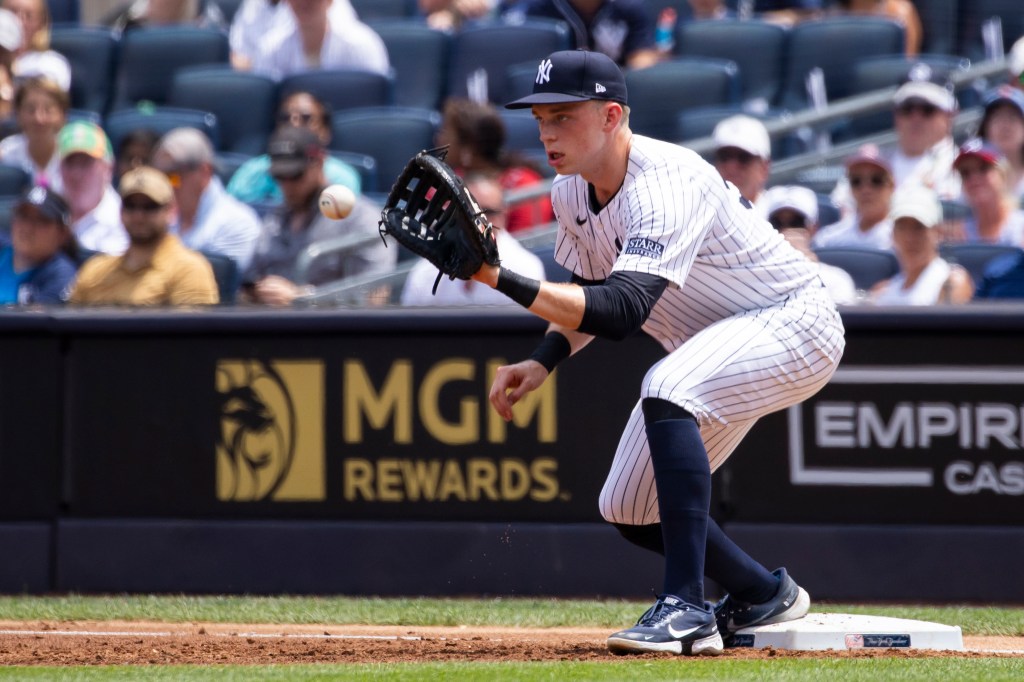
(682, 476)
(732, 568)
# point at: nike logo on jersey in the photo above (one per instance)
(580, 221)
(679, 634)
(641, 246)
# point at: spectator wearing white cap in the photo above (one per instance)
(793, 211)
(743, 154)
(1002, 125)
(995, 216)
(35, 59)
(869, 177)
(206, 218)
(10, 43)
(924, 108)
(1015, 63)
(40, 110)
(924, 277)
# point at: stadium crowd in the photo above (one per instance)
(163, 211)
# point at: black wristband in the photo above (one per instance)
(552, 350)
(522, 290)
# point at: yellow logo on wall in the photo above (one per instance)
(271, 443)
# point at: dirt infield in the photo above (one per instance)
(134, 643)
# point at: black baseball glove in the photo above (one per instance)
(431, 213)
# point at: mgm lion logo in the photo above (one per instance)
(271, 442)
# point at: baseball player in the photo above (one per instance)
(657, 240)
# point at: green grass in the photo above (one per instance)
(513, 612)
(610, 614)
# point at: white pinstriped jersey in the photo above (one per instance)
(675, 217)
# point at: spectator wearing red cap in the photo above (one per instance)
(869, 177)
(995, 217)
(1002, 125)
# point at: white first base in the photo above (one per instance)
(820, 631)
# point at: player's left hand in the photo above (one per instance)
(512, 382)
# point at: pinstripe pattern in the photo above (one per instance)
(746, 321)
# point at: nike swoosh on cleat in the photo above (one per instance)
(679, 634)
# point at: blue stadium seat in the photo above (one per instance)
(658, 93)
(227, 275)
(976, 257)
(420, 58)
(91, 53)
(13, 180)
(521, 132)
(757, 47)
(834, 45)
(976, 12)
(64, 11)
(160, 120)
(149, 57)
(246, 99)
(483, 52)
(385, 9)
(342, 88)
(391, 135)
(867, 267)
(939, 26)
(226, 163)
(365, 165)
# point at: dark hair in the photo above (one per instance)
(325, 108)
(479, 126)
(46, 85)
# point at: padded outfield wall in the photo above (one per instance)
(354, 451)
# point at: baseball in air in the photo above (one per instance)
(336, 201)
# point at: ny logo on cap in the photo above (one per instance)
(544, 72)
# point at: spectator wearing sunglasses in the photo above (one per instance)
(924, 277)
(206, 218)
(924, 108)
(1002, 125)
(869, 177)
(252, 181)
(273, 278)
(793, 211)
(157, 269)
(743, 156)
(995, 216)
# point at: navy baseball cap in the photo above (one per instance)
(47, 202)
(574, 76)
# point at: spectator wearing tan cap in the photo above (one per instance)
(743, 155)
(207, 217)
(297, 163)
(869, 177)
(157, 269)
(924, 277)
(86, 170)
(793, 211)
(41, 109)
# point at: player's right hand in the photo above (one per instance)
(512, 382)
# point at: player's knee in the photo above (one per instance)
(658, 409)
(647, 536)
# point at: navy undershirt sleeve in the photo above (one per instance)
(618, 307)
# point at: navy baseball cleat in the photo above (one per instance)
(789, 603)
(671, 625)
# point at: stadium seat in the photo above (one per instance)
(13, 180)
(148, 58)
(64, 11)
(828, 212)
(225, 272)
(226, 163)
(366, 166)
(246, 99)
(885, 71)
(91, 53)
(420, 58)
(867, 267)
(834, 45)
(757, 47)
(385, 9)
(975, 13)
(658, 93)
(391, 135)
(160, 120)
(342, 88)
(939, 25)
(976, 257)
(483, 52)
(521, 132)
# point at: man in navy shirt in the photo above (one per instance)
(36, 265)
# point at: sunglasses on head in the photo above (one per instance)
(865, 180)
(926, 110)
(727, 155)
(141, 206)
(794, 222)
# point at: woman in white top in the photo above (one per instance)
(40, 108)
(924, 277)
(995, 215)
